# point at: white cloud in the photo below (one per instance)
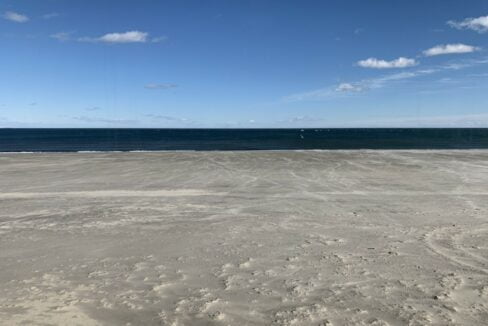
(347, 87)
(159, 39)
(50, 15)
(127, 37)
(167, 118)
(311, 95)
(479, 24)
(450, 49)
(105, 121)
(15, 17)
(383, 64)
(379, 82)
(93, 108)
(160, 86)
(447, 121)
(358, 31)
(362, 85)
(442, 121)
(303, 118)
(62, 36)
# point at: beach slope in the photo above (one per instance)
(244, 238)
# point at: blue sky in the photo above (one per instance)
(256, 63)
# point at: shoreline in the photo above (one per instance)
(253, 151)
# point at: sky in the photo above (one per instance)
(243, 64)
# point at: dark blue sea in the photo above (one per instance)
(75, 140)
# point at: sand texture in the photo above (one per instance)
(244, 238)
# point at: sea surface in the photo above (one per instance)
(76, 140)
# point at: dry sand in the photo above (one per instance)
(244, 238)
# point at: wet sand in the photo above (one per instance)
(244, 238)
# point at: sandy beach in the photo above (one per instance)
(244, 238)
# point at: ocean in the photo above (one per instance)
(77, 140)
